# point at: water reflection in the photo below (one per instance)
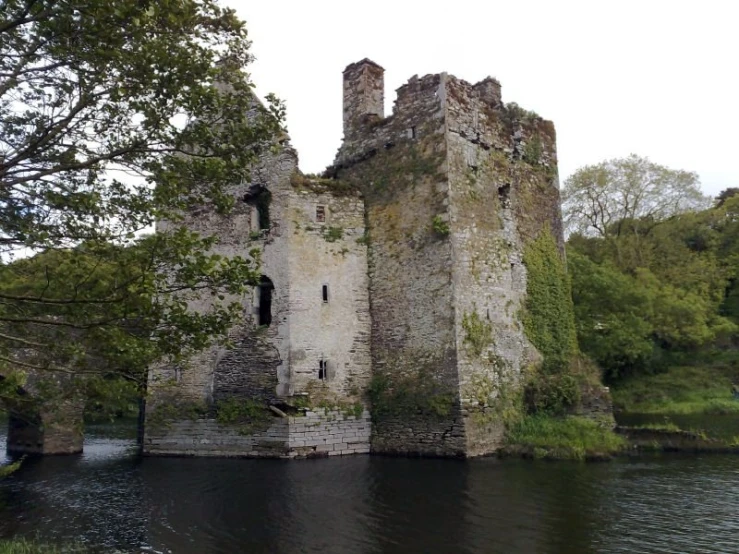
(109, 496)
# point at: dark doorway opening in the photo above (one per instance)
(259, 197)
(265, 301)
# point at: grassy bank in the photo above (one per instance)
(681, 390)
(568, 438)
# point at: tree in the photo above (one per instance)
(115, 114)
(725, 194)
(612, 314)
(624, 198)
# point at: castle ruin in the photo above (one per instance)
(388, 315)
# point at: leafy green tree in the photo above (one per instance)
(621, 200)
(115, 114)
(655, 285)
(612, 315)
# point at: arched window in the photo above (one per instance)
(264, 297)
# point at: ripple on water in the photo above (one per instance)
(110, 496)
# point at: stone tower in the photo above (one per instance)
(456, 183)
(393, 285)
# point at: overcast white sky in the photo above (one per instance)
(652, 77)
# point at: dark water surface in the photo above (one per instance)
(110, 496)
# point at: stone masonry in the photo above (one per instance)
(388, 315)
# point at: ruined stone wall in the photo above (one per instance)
(457, 183)
(503, 190)
(418, 235)
(398, 163)
(319, 433)
(364, 96)
(251, 369)
(328, 249)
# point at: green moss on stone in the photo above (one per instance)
(249, 415)
(478, 334)
(408, 396)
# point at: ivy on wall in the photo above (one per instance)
(549, 324)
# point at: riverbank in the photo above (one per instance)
(562, 438)
(680, 390)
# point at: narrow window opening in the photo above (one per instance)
(320, 214)
(264, 291)
(324, 293)
(260, 198)
(322, 370)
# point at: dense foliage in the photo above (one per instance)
(549, 323)
(115, 114)
(655, 287)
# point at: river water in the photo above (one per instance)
(110, 497)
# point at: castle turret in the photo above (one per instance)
(364, 95)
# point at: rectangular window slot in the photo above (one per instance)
(320, 214)
(322, 370)
(324, 293)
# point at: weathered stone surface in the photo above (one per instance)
(282, 438)
(456, 183)
(402, 281)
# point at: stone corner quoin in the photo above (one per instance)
(387, 317)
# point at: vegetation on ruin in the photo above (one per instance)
(439, 226)
(569, 438)
(332, 234)
(532, 151)
(321, 185)
(317, 396)
(514, 112)
(406, 164)
(171, 410)
(478, 333)
(92, 100)
(410, 395)
(247, 414)
(548, 320)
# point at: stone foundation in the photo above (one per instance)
(317, 434)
